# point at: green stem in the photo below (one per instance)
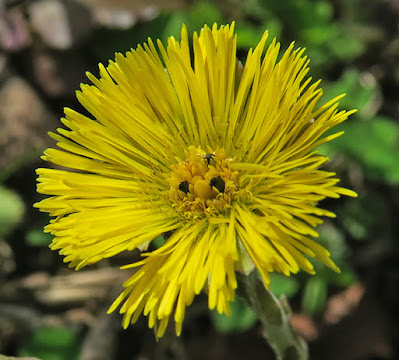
(275, 318)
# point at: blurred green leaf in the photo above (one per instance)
(199, 14)
(332, 238)
(346, 47)
(359, 216)
(37, 237)
(105, 42)
(324, 11)
(346, 278)
(311, 24)
(174, 24)
(301, 14)
(316, 36)
(11, 210)
(374, 144)
(283, 285)
(51, 343)
(242, 318)
(158, 241)
(357, 219)
(204, 12)
(361, 91)
(250, 35)
(314, 295)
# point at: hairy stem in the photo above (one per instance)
(274, 315)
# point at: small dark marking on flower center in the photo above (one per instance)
(183, 186)
(208, 158)
(168, 234)
(218, 183)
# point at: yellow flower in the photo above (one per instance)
(218, 157)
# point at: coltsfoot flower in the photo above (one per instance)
(219, 156)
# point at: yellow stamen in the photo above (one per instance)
(203, 184)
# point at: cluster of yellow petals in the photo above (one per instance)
(249, 200)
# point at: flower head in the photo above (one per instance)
(218, 155)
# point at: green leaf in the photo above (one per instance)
(314, 295)
(346, 47)
(37, 237)
(299, 15)
(318, 36)
(324, 11)
(174, 24)
(105, 42)
(158, 241)
(283, 285)
(346, 278)
(250, 35)
(11, 210)
(51, 343)
(242, 318)
(364, 215)
(361, 91)
(332, 239)
(204, 12)
(374, 144)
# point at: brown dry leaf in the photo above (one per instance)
(135, 5)
(60, 24)
(3, 357)
(58, 73)
(125, 13)
(75, 287)
(365, 334)
(14, 33)
(24, 121)
(304, 326)
(343, 303)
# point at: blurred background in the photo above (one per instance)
(53, 313)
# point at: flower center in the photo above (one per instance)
(203, 184)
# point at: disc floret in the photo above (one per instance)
(203, 184)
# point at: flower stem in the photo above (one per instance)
(274, 315)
